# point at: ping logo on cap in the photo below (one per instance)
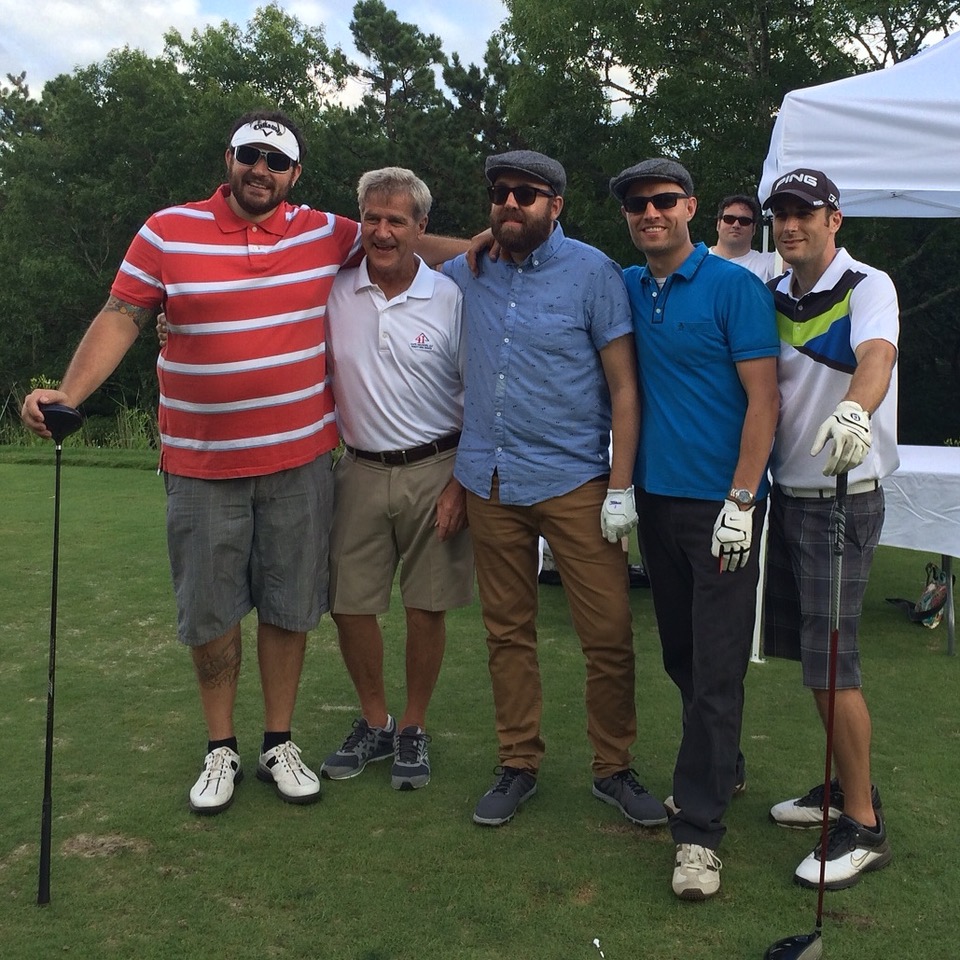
(796, 178)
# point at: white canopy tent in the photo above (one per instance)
(888, 139)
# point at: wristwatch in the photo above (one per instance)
(741, 496)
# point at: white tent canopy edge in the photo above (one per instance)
(890, 139)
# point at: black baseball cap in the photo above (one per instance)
(813, 187)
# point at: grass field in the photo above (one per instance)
(373, 874)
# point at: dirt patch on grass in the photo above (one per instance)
(858, 920)
(109, 845)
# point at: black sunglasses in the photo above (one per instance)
(524, 195)
(729, 219)
(248, 156)
(660, 201)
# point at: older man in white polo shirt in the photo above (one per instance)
(394, 349)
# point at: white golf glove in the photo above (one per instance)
(732, 536)
(849, 426)
(618, 515)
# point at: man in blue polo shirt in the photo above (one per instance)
(707, 346)
(550, 370)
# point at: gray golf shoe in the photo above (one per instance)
(364, 744)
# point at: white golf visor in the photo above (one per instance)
(269, 133)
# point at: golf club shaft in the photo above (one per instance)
(46, 816)
(839, 536)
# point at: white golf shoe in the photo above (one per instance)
(295, 782)
(213, 791)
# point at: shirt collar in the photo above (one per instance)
(229, 222)
(421, 288)
(827, 280)
(689, 266)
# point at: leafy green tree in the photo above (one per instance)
(405, 119)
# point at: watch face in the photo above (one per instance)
(742, 496)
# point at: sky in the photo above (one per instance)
(49, 37)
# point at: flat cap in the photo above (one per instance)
(528, 161)
(657, 168)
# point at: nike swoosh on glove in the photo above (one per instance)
(618, 516)
(732, 536)
(849, 427)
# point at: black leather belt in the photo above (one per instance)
(399, 458)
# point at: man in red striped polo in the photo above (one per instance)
(247, 426)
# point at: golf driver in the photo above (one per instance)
(809, 946)
(61, 421)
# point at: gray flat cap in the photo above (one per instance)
(528, 161)
(658, 168)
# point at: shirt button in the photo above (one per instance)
(499, 414)
(501, 376)
(512, 304)
(506, 339)
(658, 310)
(254, 229)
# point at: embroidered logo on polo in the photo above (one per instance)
(421, 342)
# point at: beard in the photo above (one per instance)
(519, 232)
(261, 202)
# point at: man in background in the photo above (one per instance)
(737, 219)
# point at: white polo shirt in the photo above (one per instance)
(819, 333)
(396, 366)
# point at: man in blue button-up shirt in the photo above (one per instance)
(550, 371)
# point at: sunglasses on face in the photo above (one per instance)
(729, 219)
(660, 201)
(248, 156)
(524, 195)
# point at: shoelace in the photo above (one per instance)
(508, 776)
(815, 796)
(359, 733)
(629, 779)
(220, 765)
(698, 858)
(842, 837)
(288, 754)
(411, 747)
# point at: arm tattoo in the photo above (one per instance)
(141, 316)
(221, 668)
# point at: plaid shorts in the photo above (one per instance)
(249, 542)
(798, 617)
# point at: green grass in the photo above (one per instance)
(372, 874)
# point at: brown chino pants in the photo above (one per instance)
(595, 579)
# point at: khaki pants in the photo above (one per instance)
(594, 575)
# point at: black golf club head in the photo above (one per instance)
(61, 420)
(804, 946)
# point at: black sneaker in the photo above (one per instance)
(364, 744)
(498, 805)
(852, 849)
(623, 791)
(411, 765)
(807, 811)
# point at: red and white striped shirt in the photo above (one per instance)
(242, 377)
